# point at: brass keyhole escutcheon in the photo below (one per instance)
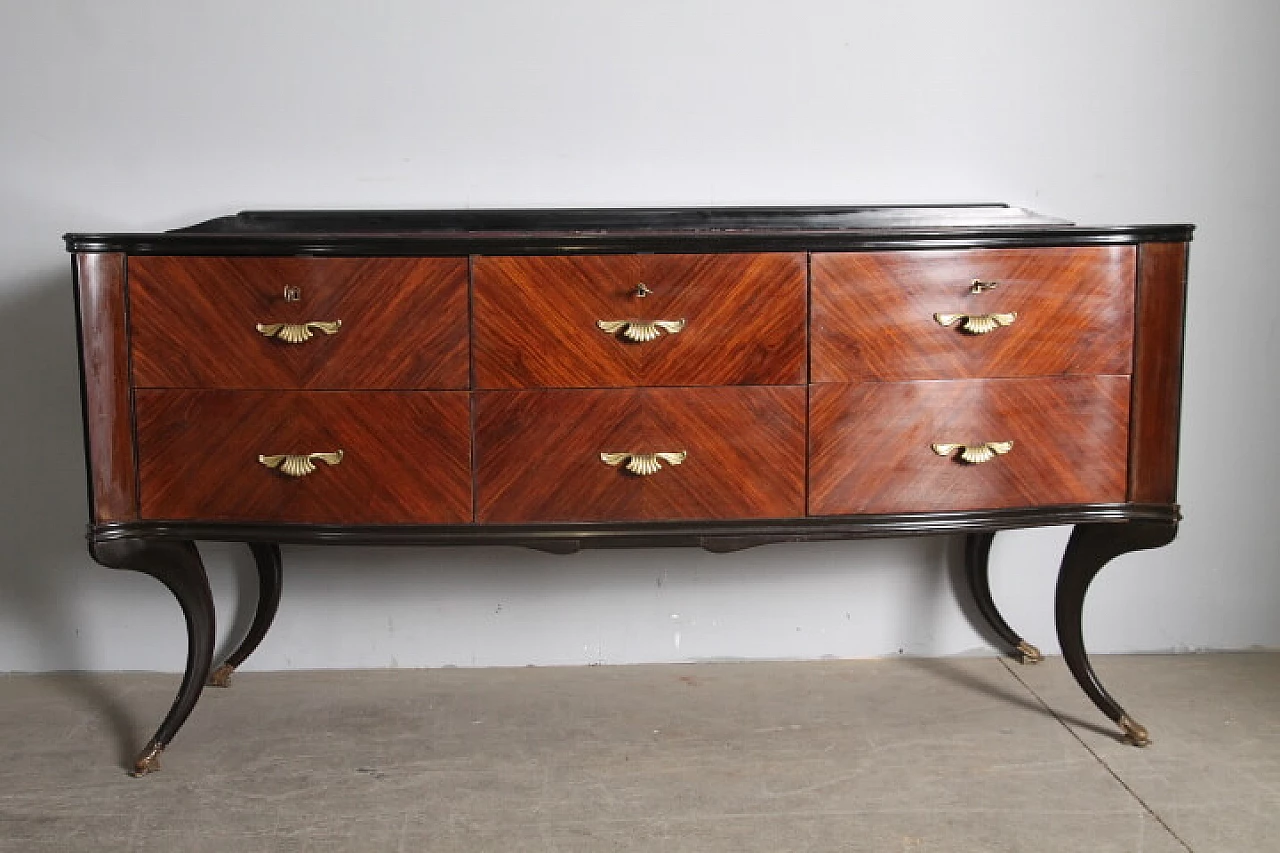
(292, 294)
(642, 290)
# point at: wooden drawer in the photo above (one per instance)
(404, 322)
(536, 320)
(871, 444)
(405, 456)
(538, 454)
(875, 313)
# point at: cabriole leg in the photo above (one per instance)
(1091, 547)
(266, 556)
(977, 553)
(176, 564)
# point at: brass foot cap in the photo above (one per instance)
(148, 761)
(1134, 733)
(1028, 653)
(221, 677)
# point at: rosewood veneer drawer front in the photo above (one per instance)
(972, 313)
(882, 447)
(315, 323)
(319, 457)
(640, 454)
(581, 321)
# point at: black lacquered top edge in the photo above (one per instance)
(725, 229)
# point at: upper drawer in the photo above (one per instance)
(972, 313)
(588, 321)
(207, 322)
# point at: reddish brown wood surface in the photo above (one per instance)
(404, 322)
(870, 444)
(406, 456)
(1157, 372)
(873, 313)
(538, 454)
(535, 320)
(108, 409)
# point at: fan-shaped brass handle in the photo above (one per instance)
(643, 464)
(296, 333)
(300, 464)
(977, 324)
(974, 454)
(640, 331)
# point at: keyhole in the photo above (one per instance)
(642, 290)
(292, 294)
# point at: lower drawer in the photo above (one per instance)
(872, 445)
(723, 453)
(405, 458)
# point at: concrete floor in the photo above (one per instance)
(970, 754)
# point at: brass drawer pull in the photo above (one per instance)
(974, 454)
(296, 333)
(643, 464)
(976, 324)
(301, 464)
(640, 331)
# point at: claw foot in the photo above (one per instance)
(1134, 733)
(148, 761)
(221, 677)
(1028, 653)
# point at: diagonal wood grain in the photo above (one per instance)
(404, 322)
(870, 444)
(535, 320)
(873, 313)
(538, 453)
(406, 456)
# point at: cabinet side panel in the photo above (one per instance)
(104, 365)
(1157, 372)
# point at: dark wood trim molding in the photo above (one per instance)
(605, 244)
(106, 395)
(712, 535)
(1156, 406)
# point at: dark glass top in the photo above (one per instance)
(620, 220)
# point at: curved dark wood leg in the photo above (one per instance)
(1091, 547)
(176, 564)
(266, 555)
(977, 553)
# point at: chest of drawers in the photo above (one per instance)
(563, 379)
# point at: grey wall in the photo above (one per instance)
(138, 115)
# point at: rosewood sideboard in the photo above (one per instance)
(566, 379)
